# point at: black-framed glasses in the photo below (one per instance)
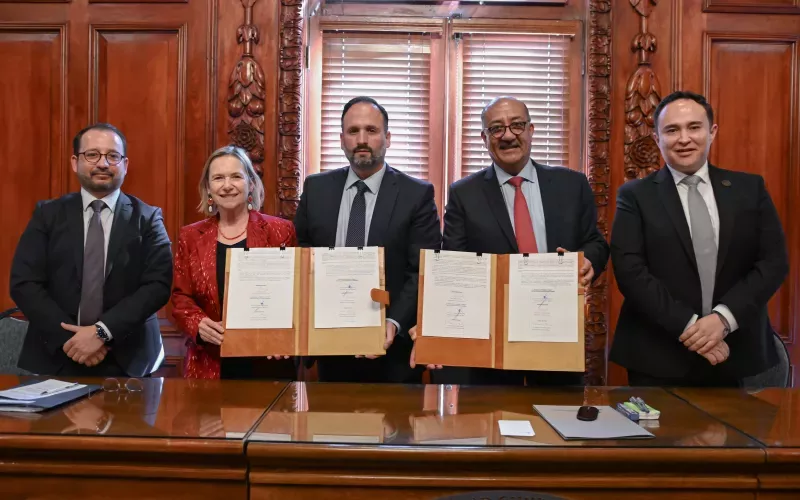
(498, 131)
(93, 156)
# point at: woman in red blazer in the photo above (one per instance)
(231, 194)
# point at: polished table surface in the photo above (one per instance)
(262, 439)
(176, 438)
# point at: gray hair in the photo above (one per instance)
(498, 99)
(255, 186)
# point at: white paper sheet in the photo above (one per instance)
(516, 428)
(456, 295)
(260, 288)
(543, 298)
(40, 390)
(343, 280)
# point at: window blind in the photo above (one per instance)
(394, 69)
(532, 68)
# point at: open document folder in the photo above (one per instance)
(38, 395)
(610, 424)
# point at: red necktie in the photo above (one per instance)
(523, 226)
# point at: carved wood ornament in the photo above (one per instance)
(246, 94)
(290, 107)
(599, 67)
(642, 95)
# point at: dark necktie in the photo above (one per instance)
(94, 268)
(356, 227)
(705, 248)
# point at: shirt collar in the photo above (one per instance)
(110, 200)
(528, 173)
(373, 182)
(702, 173)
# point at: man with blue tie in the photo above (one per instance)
(517, 205)
(697, 252)
(370, 203)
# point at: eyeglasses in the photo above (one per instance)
(498, 131)
(93, 156)
(130, 385)
(115, 392)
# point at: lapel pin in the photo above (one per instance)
(726, 183)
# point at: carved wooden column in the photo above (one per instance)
(246, 94)
(598, 174)
(290, 107)
(642, 95)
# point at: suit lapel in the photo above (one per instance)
(550, 204)
(668, 193)
(384, 206)
(497, 204)
(119, 230)
(330, 206)
(75, 230)
(726, 207)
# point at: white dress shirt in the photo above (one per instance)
(707, 192)
(373, 183)
(533, 197)
(106, 220)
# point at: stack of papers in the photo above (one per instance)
(39, 390)
(39, 396)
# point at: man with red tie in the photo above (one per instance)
(517, 205)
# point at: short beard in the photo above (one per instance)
(365, 164)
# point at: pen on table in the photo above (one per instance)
(639, 402)
(58, 390)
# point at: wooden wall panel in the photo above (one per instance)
(759, 134)
(138, 84)
(753, 6)
(33, 143)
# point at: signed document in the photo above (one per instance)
(343, 280)
(543, 298)
(260, 288)
(456, 295)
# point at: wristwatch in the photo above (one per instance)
(726, 327)
(102, 334)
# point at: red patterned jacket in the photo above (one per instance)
(195, 294)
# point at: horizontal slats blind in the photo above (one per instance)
(532, 68)
(394, 69)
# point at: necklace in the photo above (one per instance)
(234, 237)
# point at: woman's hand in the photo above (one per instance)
(210, 331)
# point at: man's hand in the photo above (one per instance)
(98, 357)
(278, 356)
(84, 344)
(704, 334)
(412, 360)
(718, 354)
(210, 331)
(391, 333)
(587, 271)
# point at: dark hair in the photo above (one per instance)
(369, 100)
(76, 142)
(683, 94)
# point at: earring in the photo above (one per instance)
(210, 205)
(250, 202)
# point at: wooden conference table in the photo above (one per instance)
(259, 440)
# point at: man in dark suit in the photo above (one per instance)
(92, 269)
(517, 205)
(371, 204)
(697, 252)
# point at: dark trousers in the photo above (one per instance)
(367, 371)
(707, 378)
(107, 368)
(489, 376)
(257, 368)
